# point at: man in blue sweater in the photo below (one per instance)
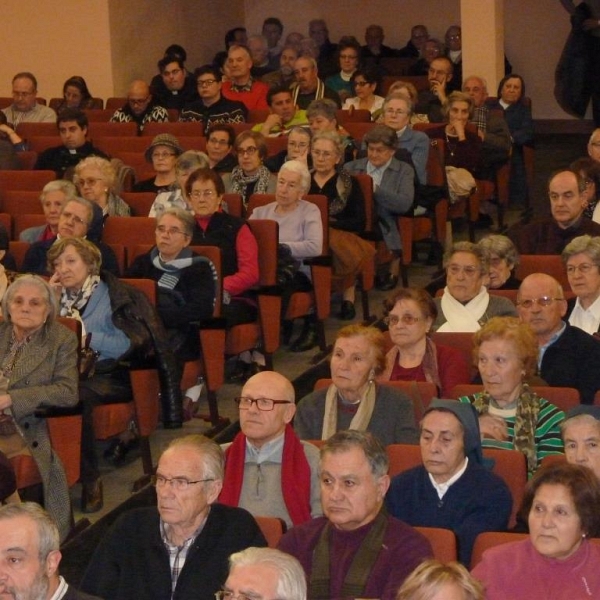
(452, 489)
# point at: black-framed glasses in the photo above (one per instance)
(542, 301)
(265, 404)
(407, 319)
(179, 483)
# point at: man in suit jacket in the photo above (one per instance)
(393, 190)
(29, 547)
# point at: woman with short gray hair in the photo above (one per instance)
(504, 258)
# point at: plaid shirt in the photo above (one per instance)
(480, 115)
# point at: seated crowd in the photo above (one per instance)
(355, 521)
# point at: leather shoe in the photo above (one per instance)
(388, 282)
(118, 450)
(92, 497)
(348, 312)
(306, 341)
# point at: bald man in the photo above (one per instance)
(140, 107)
(268, 470)
(569, 357)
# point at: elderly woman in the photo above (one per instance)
(410, 314)
(162, 154)
(558, 560)
(298, 148)
(581, 436)
(322, 117)
(346, 215)
(582, 262)
(434, 580)
(54, 196)
(38, 367)
(95, 178)
(589, 169)
(219, 143)
(354, 400)
(348, 52)
(512, 416)
(185, 165)
(300, 237)
(364, 83)
(126, 332)
(466, 304)
(250, 176)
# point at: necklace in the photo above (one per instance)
(451, 147)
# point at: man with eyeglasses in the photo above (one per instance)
(268, 470)
(466, 303)
(568, 196)
(242, 86)
(263, 574)
(285, 115)
(569, 357)
(140, 107)
(212, 108)
(25, 107)
(180, 548)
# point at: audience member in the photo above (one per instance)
(504, 258)
(568, 199)
(234, 37)
(176, 87)
(308, 86)
(298, 148)
(76, 95)
(589, 170)
(268, 470)
(194, 533)
(140, 107)
(431, 101)
(466, 304)
(432, 49)
(322, 117)
(72, 124)
(511, 414)
(374, 47)
(580, 432)
(212, 108)
(568, 355)
(348, 53)
(10, 143)
(451, 489)
(355, 400)
(284, 114)
(242, 87)
(272, 30)
(356, 550)
(418, 36)
(283, 76)
(295, 39)
(593, 147)
(30, 548)
(25, 108)
(259, 51)
(364, 82)
(410, 313)
(264, 573)
(219, 144)
(162, 154)
(326, 50)
(453, 43)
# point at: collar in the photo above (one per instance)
(373, 169)
(503, 104)
(271, 451)
(551, 341)
(593, 310)
(61, 590)
(442, 488)
(165, 530)
(246, 87)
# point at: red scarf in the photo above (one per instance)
(295, 475)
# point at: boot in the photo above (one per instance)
(92, 497)
(308, 337)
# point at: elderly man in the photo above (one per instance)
(264, 573)
(440, 76)
(212, 108)
(242, 86)
(418, 36)
(285, 115)
(466, 304)
(568, 199)
(25, 108)
(393, 191)
(284, 75)
(451, 489)
(356, 550)
(140, 107)
(177, 87)
(72, 126)
(374, 48)
(259, 51)
(569, 357)
(580, 432)
(308, 86)
(77, 219)
(268, 470)
(30, 555)
(178, 549)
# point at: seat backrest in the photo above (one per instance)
(25, 180)
(115, 146)
(6, 222)
(28, 130)
(443, 543)
(489, 539)
(403, 457)
(27, 158)
(115, 103)
(129, 230)
(101, 115)
(148, 286)
(234, 204)
(18, 251)
(26, 202)
(266, 234)
(185, 129)
(366, 185)
(462, 341)
(272, 528)
(22, 222)
(39, 143)
(421, 82)
(99, 129)
(551, 264)
(140, 202)
(358, 115)
(358, 130)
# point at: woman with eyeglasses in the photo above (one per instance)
(364, 82)
(162, 154)
(250, 176)
(511, 415)
(348, 52)
(414, 356)
(581, 258)
(298, 148)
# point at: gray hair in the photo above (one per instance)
(480, 253)
(291, 582)
(310, 59)
(457, 97)
(96, 162)
(583, 244)
(186, 219)
(191, 159)
(322, 108)
(399, 96)
(375, 453)
(502, 247)
(59, 185)
(213, 460)
(381, 134)
(481, 80)
(300, 168)
(44, 288)
(330, 136)
(580, 418)
(86, 204)
(48, 537)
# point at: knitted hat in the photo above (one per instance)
(163, 139)
(469, 419)
(584, 409)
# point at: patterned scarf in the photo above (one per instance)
(239, 182)
(343, 187)
(72, 303)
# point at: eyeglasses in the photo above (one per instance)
(322, 153)
(206, 82)
(178, 483)
(542, 301)
(198, 194)
(172, 231)
(162, 154)
(265, 404)
(393, 320)
(22, 94)
(469, 271)
(454, 37)
(395, 113)
(361, 83)
(582, 268)
(249, 151)
(297, 145)
(139, 101)
(89, 181)
(72, 217)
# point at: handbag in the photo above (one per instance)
(87, 359)
(8, 426)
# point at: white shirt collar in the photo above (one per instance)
(61, 590)
(442, 488)
(587, 319)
